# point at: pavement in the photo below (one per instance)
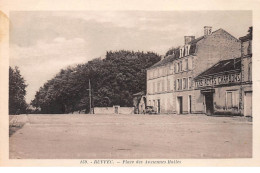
(79, 136)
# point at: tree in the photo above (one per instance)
(17, 92)
(114, 80)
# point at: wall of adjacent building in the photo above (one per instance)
(218, 46)
(246, 69)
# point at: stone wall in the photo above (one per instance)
(111, 110)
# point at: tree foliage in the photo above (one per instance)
(17, 92)
(114, 80)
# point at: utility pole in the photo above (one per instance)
(89, 96)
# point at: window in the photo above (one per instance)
(158, 87)
(186, 64)
(185, 83)
(150, 103)
(190, 83)
(190, 64)
(249, 49)
(181, 52)
(163, 85)
(250, 72)
(171, 69)
(187, 50)
(160, 72)
(180, 66)
(232, 99)
(154, 87)
(168, 85)
(179, 84)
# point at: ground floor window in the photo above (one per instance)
(232, 99)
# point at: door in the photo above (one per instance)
(209, 103)
(159, 106)
(179, 105)
(248, 104)
(189, 103)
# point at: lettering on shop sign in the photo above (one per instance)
(218, 80)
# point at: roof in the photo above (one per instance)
(197, 40)
(139, 93)
(176, 54)
(164, 61)
(222, 67)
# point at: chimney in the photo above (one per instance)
(188, 39)
(207, 30)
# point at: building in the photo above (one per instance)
(220, 87)
(227, 86)
(160, 82)
(182, 66)
(246, 70)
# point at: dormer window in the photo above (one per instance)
(181, 52)
(187, 49)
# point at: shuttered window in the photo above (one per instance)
(232, 99)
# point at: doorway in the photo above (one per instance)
(159, 106)
(179, 105)
(248, 104)
(209, 103)
(189, 104)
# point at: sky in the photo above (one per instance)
(42, 43)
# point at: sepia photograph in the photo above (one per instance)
(130, 85)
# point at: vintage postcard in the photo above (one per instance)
(92, 84)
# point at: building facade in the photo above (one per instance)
(227, 86)
(160, 82)
(246, 72)
(220, 87)
(187, 62)
(194, 57)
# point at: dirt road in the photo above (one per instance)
(131, 136)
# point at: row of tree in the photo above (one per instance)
(114, 80)
(17, 92)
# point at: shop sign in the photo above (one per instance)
(218, 80)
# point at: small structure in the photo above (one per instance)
(139, 101)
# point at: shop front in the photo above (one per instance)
(220, 86)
